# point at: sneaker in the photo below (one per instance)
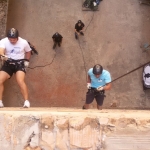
(82, 33)
(83, 107)
(26, 104)
(1, 104)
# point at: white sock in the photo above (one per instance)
(0, 101)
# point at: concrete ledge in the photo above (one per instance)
(73, 129)
(76, 111)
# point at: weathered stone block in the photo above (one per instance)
(103, 121)
(26, 131)
(84, 133)
(6, 131)
(62, 139)
(48, 135)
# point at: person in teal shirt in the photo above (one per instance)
(99, 80)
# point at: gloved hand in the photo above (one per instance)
(94, 3)
(26, 63)
(4, 58)
(88, 85)
(100, 88)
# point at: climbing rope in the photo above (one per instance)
(81, 46)
(44, 65)
(55, 52)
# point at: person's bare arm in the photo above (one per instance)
(107, 86)
(76, 31)
(28, 55)
(88, 79)
(82, 29)
(53, 39)
(89, 82)
(3, 56)
(2, 51)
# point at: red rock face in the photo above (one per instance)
(112, 38)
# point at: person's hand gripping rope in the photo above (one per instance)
(4, 57)
(100, 88)
(89, 85)
(26, 63)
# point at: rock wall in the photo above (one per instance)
(64, 129)
(3, 17)
(112, 37)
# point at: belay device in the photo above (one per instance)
(146, 77)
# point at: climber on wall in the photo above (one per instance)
(15, 52)
(98, 81)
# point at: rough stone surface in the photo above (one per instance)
(6, 128)
(86, 130)
(26, 132)
(3, 17)
(66, 129)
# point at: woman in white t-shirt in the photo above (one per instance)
(15, 52)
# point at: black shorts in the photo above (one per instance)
(99, 96)
(12, 68)
(57, 41)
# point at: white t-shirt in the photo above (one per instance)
(15, 51)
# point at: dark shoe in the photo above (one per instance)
(59, 44)
(1, 104)
(76, 36)
(82, 33)
(54, 46)
(83, 107)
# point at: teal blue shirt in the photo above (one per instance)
(101, 81)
